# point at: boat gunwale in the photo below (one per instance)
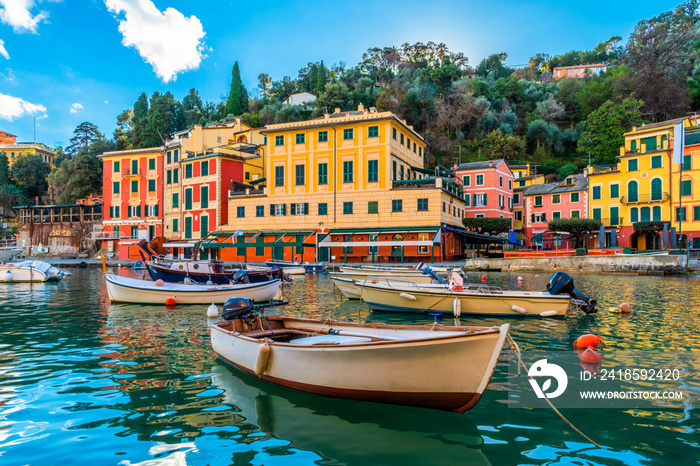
(464, 293)
(243, 286)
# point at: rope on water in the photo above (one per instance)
(514, 346)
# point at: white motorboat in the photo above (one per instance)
(431, 366)
(132, 290)
(30, 271)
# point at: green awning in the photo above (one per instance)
(537, 238)
(259, 180)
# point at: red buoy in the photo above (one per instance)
(587, 341)
(590, 356)
(483, 278)
(160, 282)
(170, 302)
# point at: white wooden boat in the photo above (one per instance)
(289, 270)
(430, 366)
(132, 290)
(415, 278)
(346, 282)
(309, 267)
(30, 271)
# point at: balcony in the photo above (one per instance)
(611, 222)
(645, 198)
(126, 173)
(427, 183)
(247, 192)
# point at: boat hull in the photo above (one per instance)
(178, 276)
(413, 299)
(297, 268)
(129, 290)
(10, 273)
(440, 372)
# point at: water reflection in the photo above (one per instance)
(347, 432)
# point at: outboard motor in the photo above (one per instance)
(240, 277)
(563, 283)
(428, 271)
(236, 308)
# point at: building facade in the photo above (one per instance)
(685, 192)
(12, 149)
(488, 188)
(524, 176)
(349, 186)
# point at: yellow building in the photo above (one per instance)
(524, 176)
(13, 149)
(685, 188)
(346, 183)
(638, 188)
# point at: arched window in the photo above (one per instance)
(664, 142)
(633, 191)
(656, 189)
(633, 145)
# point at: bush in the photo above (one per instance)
(580, 251)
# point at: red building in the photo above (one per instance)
(488, 189)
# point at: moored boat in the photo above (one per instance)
(132, 290)
(292, 268)
(430, 366)
(477, 299)
(30, 271)
(345, 281)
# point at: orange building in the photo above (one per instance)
(579, 71)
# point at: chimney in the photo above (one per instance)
(490, 163)
(360, 108)
(337, 110)
(373, 110)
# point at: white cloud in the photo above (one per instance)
(75, 107)
(167, 40)
(14, 107)
(16, 13)
(3, 50)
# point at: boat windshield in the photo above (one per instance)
(39, 265)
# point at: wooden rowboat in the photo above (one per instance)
(430, 366)
(132, 290)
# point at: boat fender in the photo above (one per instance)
(160, 282)
(6, 277)
(408, 296)
(263, 357)
(588, 341)
(457, 307)
(170, 302)
(590, 356)
(519, 309)
(548, 313)
(212, 311)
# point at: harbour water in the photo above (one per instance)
(86, 382)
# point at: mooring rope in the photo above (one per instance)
(514, 346)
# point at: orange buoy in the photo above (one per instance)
(483, 278)
(625, 308)
(170, 302)
(587, 341)
(160, 282)
(590, 356)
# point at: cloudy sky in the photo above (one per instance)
(63, 62)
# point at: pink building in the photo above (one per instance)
(579, 71)
(544, 202)
(488, 188)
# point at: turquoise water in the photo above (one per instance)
(86, 382)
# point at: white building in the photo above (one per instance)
(299, 98)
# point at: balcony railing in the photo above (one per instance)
(128, 173)
(425, 183)
(612, 221)
(645, 198)
(247, 192)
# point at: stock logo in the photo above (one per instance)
(543, 369)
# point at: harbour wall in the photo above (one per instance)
(641, 265)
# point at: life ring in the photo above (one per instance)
(181, 267)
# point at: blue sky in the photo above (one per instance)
(68, 61)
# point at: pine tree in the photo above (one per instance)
(235, 95)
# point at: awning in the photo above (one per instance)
(180, 245)
(259, 180)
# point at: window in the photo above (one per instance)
(279, 140)
(657, 213)
(414, 147)
(467, 200)
(372, 171)
(247, 175)
(260, 211)
(240, 211)
(510, 184)
(696, 212)
(188, 199)
(204, 168)
(614, 215)
(373, 132)
(175, 175)
(348, 133)
(538, 201)
(203, 226)
(323, 136)
(422, 205)
(300, 138)
(480, 200)
(347, 171)
(401, 138)
(151, 186)
(656, 161)
(597, 214)
(467, 180)
(347, 208)
(614, 191)
(175, 225)
(645, 214)
(279, 176)
(680, 214)
(650, 143)
(396, 205)
(575, 213)
(634, 215)
(134, 186)
(204, 201)
(479, 180)
(152, 210)
(632, 191)
(686, 163)
(175, 155)
(169, 176)
(323, 209)
(501, 200)
(188, 170)
(500, 181)
(686, 187)
(420, 152)
(322, 173)
(656, 189)
(522, 183)
(176, 200)
(393, 170)
(116, 211)
(115, 187)
(596, 192)
(516, 198)
(280, 209)
(299, 209)
(408, 143)
(632, 165)
(518, 216)
(575, 197)
(116, 167)
(300, 172)
(134, 167)
(151, 164)
(556, 198)
(393, 133)
(556, 215)
(373, 207)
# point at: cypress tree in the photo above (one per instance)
(235, 95)
(321, 79)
